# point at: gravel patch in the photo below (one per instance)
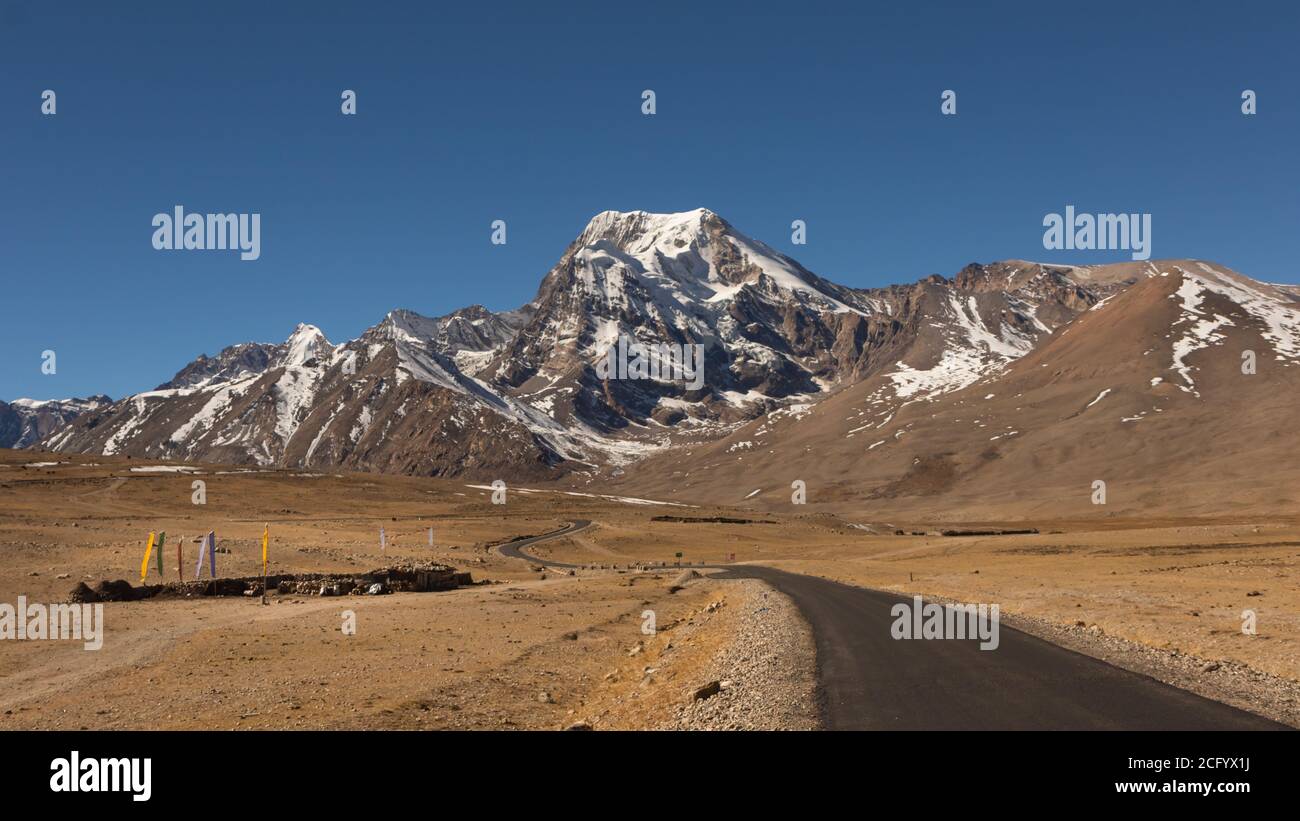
(766, 677)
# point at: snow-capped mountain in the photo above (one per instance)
(24, 422)
(521, 394)
(767, 325)
(1177, 392)
(774, 333)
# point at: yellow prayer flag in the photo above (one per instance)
(144, 565)
(266, 537)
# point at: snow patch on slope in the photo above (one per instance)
(975, 353)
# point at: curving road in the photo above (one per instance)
(512, 549)
(867, 680)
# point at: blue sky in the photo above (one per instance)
(531, 113)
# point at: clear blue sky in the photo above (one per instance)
(530, 112)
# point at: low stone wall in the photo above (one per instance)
(419, 578)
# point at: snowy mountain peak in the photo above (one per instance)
(689, 258)
(307, 342)
(619, 225)
(402, 323)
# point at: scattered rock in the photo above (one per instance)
(708, 691)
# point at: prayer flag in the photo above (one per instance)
(144, 565)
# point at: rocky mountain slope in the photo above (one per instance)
(521, 395)
(1148, 391)
(24, 422)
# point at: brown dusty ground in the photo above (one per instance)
(525, 650)
(539, 650)
(1166, 585)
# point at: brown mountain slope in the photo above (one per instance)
(521, 395)
(1145, 393)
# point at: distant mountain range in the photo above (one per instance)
(24, 422)
(799, 373)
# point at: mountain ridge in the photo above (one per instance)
(516, 394)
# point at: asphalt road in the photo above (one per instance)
(512, 549)
(868, 680)
(872, 681)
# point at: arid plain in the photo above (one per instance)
(534, 647)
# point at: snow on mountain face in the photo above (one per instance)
(378, 402)
(693, 256)
(519, 390)
(989, 316)
(1145, 388)
(304, 345)
(232, 363)
(766, 324)
(24, 422)
(971, 351)
(1275, 310)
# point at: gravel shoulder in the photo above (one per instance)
(766, 675)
